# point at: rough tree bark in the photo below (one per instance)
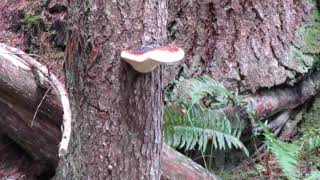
(246, 44)
(117, 112)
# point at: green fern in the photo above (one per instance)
(286, 154)
(314, 142)
(191, 122)
(193, 91)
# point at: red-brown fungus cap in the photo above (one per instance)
(146, 58)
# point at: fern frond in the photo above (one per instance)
(194, 118)
(197, 127)
(314, 175)
(192, 91)
(314, 142)
(286, 154)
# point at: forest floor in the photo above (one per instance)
(8, 36)
(39, 28)
(35, 27)
(267, 166)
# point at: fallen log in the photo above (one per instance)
(177, 166)
(268, 103)
(20, 96)
(44, 75)
(19, 99)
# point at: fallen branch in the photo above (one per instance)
(19, 97)
(277, 122)
(270, 102)
(58, 86)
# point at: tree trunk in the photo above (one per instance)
(117, 112)
(246, 44)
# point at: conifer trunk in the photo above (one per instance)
(117, 112)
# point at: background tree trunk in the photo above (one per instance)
(117, 112)
(246, 44)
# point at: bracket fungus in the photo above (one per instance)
(146, 58)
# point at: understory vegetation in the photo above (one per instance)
(196, 124)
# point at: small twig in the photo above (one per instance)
(38, 107)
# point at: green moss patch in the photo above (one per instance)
(304, 54)
(311, 35)
(30, 20)
(310, 126)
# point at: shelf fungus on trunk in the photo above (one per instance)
(146, 58)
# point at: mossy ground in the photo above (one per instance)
(310, 128)
(311, 35)
(309, 158)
